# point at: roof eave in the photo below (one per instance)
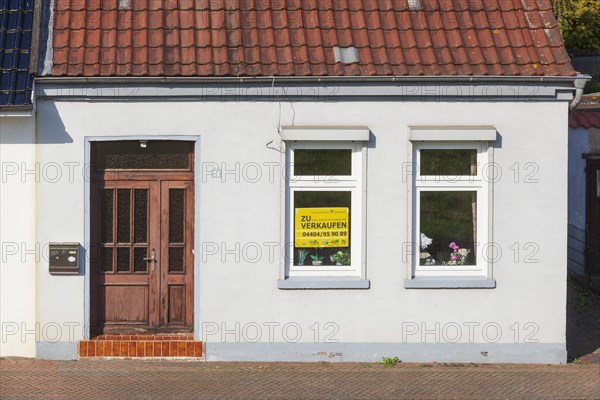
(290, 79)
(16, 111)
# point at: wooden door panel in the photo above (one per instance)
(176, 304)
(126, 304)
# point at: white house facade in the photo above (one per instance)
(325, 216)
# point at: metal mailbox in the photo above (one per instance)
(64, 258)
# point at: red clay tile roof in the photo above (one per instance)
(297, 37)
(585, 119)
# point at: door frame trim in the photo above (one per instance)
(88, 140)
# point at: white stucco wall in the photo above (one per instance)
(17, 236)
(530, 214)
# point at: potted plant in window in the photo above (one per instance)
(316, 259)
(458, 256)
(340, 258)
(302, 253)
(425, 242)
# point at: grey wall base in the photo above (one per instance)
(56, 350)
(536, 353)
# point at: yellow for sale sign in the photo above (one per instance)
(322, 227)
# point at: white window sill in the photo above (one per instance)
(323, 282)
(450, 282)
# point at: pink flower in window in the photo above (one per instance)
(458, 256)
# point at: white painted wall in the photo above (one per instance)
(17, 237)
(236, 212)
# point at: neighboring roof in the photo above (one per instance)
(585, 119)
(16, 22)
(297, 38)
(588, 101)
(587, 115)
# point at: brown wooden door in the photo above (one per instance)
(593, 217)
(142, 272)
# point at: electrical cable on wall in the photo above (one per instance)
(270, 144)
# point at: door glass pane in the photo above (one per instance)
(453, 162)
(322, 162)
(106, 259)
(106, 216)
(123, 215)
(322, 227)
(139, 264)
(136, 154)
(122, 259)
(176, 215)
(176, 259)
(140, 215)
(448, 228)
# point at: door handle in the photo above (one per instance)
(152, 260)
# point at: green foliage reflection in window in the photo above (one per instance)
(322, 162)
(453, 162)
(448, 217)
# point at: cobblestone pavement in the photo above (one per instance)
(122, 379)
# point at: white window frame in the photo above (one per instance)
(479, 183)
(353, 183)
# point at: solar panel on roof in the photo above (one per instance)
(16, 22)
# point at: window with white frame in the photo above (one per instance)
(450, 197)
(324, 208)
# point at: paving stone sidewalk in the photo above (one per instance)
(123, 379)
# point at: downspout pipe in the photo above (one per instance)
(580, 82)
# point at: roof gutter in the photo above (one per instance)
(307, 88)
(580, 83)
(290, 79)
(16, 111)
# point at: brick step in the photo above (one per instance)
(141, 346)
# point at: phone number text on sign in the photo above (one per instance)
(321, 227)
